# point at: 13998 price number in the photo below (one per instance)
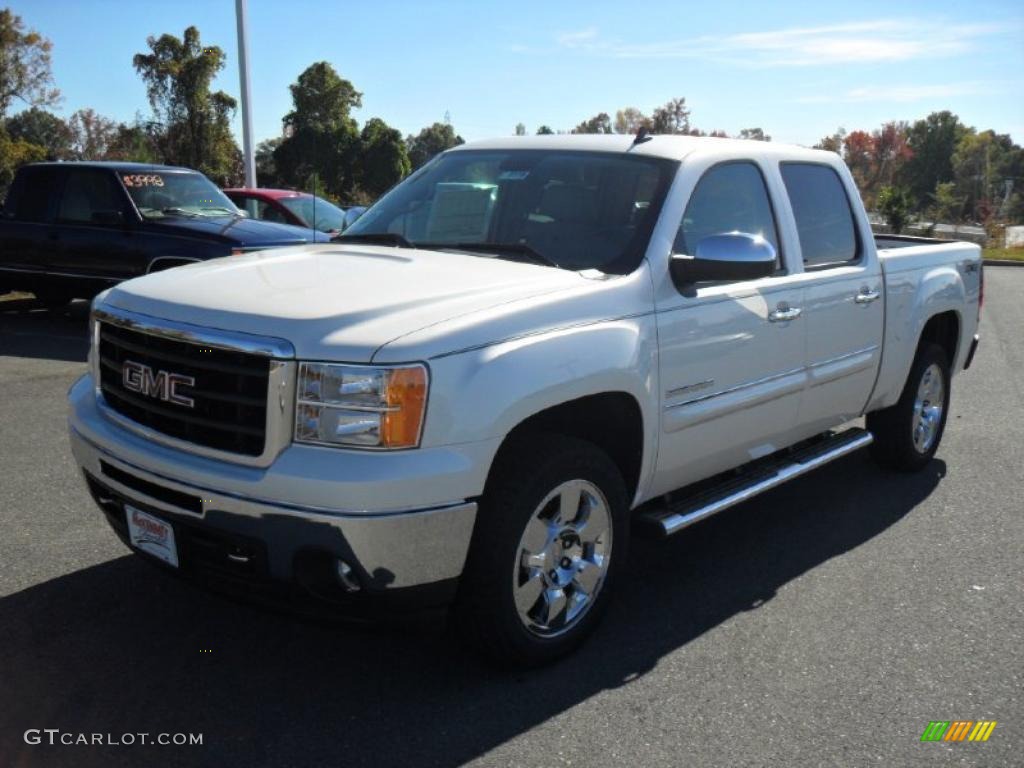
(143, 180)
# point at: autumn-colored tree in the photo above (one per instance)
(833, 143)
(889, 153)
(91, 134)
(630, 120)
(25, 73)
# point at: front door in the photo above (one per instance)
(731, 354)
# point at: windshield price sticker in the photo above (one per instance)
(143, 180)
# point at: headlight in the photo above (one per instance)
(360, 406)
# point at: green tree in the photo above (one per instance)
(24, 65)
(753, 134)
(322, 137)
(266, 168)
(431, 141)
(520, 129)
(383, 160)
(947, 205)
(137, 143)
(672, 118)
(981, 163)
(599, 123)
(545, 130)
(931, 143)
(196, 122)
(895, 205)
(13, 154)
(44, 129)
(91, 134)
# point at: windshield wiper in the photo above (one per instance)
(518, 249)
(384, 238)
(179, 212)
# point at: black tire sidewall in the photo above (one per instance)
(531, 469)
(906, 452)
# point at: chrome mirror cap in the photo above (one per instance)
(726, 256)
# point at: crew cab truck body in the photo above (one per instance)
(71, 230)
(522, 350)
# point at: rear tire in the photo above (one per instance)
(551, 538)
(908, 434)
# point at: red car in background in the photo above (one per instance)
(287, 206)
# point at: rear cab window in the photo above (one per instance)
(32, 196)
(824, 218)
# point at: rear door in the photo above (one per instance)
(732, 354)
(95, 227)
(843, 299)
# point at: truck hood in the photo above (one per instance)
(240, 231)
(340, 302)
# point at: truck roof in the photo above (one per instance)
(673, 147)
(116, 165)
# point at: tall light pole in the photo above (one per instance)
(249, 156)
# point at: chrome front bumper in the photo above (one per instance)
(388, 549)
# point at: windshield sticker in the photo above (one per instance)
(143, 180)
(513, 175)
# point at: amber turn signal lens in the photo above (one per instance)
(407, 393)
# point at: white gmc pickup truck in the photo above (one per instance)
(521, 351)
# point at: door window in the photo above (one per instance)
(88, 193)
(731, 197)
(822, 212)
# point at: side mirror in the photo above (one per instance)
(731, 256)
(108, 218)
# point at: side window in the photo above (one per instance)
(30, 196)
(86, 193)
(729, 198)
(822, 212)
(268, 212)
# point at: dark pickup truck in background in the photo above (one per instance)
(70, 230)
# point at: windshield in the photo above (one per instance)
(325, 217)
(176, 193)
(575, 210)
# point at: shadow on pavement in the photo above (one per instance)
(28, 329)
(120, 647)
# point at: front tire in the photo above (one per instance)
(551, 538)
(908, 434)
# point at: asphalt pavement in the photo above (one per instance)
(825, 623)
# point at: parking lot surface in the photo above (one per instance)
(825, 623)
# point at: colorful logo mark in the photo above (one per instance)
(958, 730)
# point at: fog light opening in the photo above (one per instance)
(346, 576)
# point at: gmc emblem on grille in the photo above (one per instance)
(163, 385)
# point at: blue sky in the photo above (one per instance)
(797, 72)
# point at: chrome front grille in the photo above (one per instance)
(194, 388)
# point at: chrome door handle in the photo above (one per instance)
(780, 315)
(866, 297)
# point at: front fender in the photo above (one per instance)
(485, 393)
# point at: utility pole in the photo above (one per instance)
(249, 156)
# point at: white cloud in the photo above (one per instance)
(578, 39)
(881, 40)
(900, 93)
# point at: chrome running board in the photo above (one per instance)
(768, 474)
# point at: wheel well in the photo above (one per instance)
(943, 329)
(611, 420)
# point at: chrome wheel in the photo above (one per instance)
(562, 558)
(928, 406)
